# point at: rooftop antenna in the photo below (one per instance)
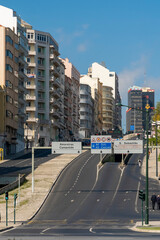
(145, 82)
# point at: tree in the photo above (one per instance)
(156, 116)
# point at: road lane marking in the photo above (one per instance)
(44, 230)
(136, 201)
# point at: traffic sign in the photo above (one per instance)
(101, 144)
(129, 146)
(66, 147)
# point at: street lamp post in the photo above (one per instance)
(147, 124)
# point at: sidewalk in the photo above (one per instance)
(154, 226)
(27, 202)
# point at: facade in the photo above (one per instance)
(9, 88)
(96, 93)
(86, 111)
(10, 19)
(107, 108)
(109, 79)
(71, 104)
(45, 99)
(138, 98)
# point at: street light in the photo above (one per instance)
(147, 123)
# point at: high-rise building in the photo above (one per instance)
(72, 83)
(137, 99)
(108, 79)
(96, 93)
(45, 99)
(11, 20)
(9, 88)
(86, 111)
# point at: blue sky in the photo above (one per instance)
(124, 34)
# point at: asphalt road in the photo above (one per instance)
(91, 202)
(23, 165)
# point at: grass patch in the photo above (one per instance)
(26, 184)
(24, 202)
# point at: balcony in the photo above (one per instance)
(31, 41)
(56, 94)
(41, 88)
(56, 82)
(32, 53)
(56, 104)
(30, 119)
(51, 56)
(55, 124)
(41, 78)
(51, 100)
(31, 64)
(41, 110)
(41, 99)
(41, 66)
(30, 86)
(56, 61)
(30, 109)
(56, 114)
(28, 97)
(31, 75)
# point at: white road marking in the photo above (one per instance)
(91, 230)
(136, 201)
(98, 200)
(45, 230)
(118, 185)
(72, 200)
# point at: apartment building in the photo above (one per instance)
(9, 88)
(107, 108)
(96, 93)
(109, 79)
(72, 81)
(10, 19)
(138, 97)
(45, 104)
(86, 111)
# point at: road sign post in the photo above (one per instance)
(15, 197)
(6, 198)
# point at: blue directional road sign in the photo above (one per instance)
(101, 144)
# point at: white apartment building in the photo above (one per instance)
(86, 111)
(109, 79)
(96, 93)
(72, 83)
(10, 19)
(45, 104)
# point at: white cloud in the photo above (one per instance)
(82, 47)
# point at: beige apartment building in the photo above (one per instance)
(45, 98)
(71, 103)
(10, 19)
(107, 108)
(9, 83)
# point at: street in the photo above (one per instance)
(87, 201)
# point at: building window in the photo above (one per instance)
(9, 99)
(9, 84)
(16, 59)
(16, 46)
(28, 60)
(9, 68)
(9, 54)
(9, 40)
(9, 114)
